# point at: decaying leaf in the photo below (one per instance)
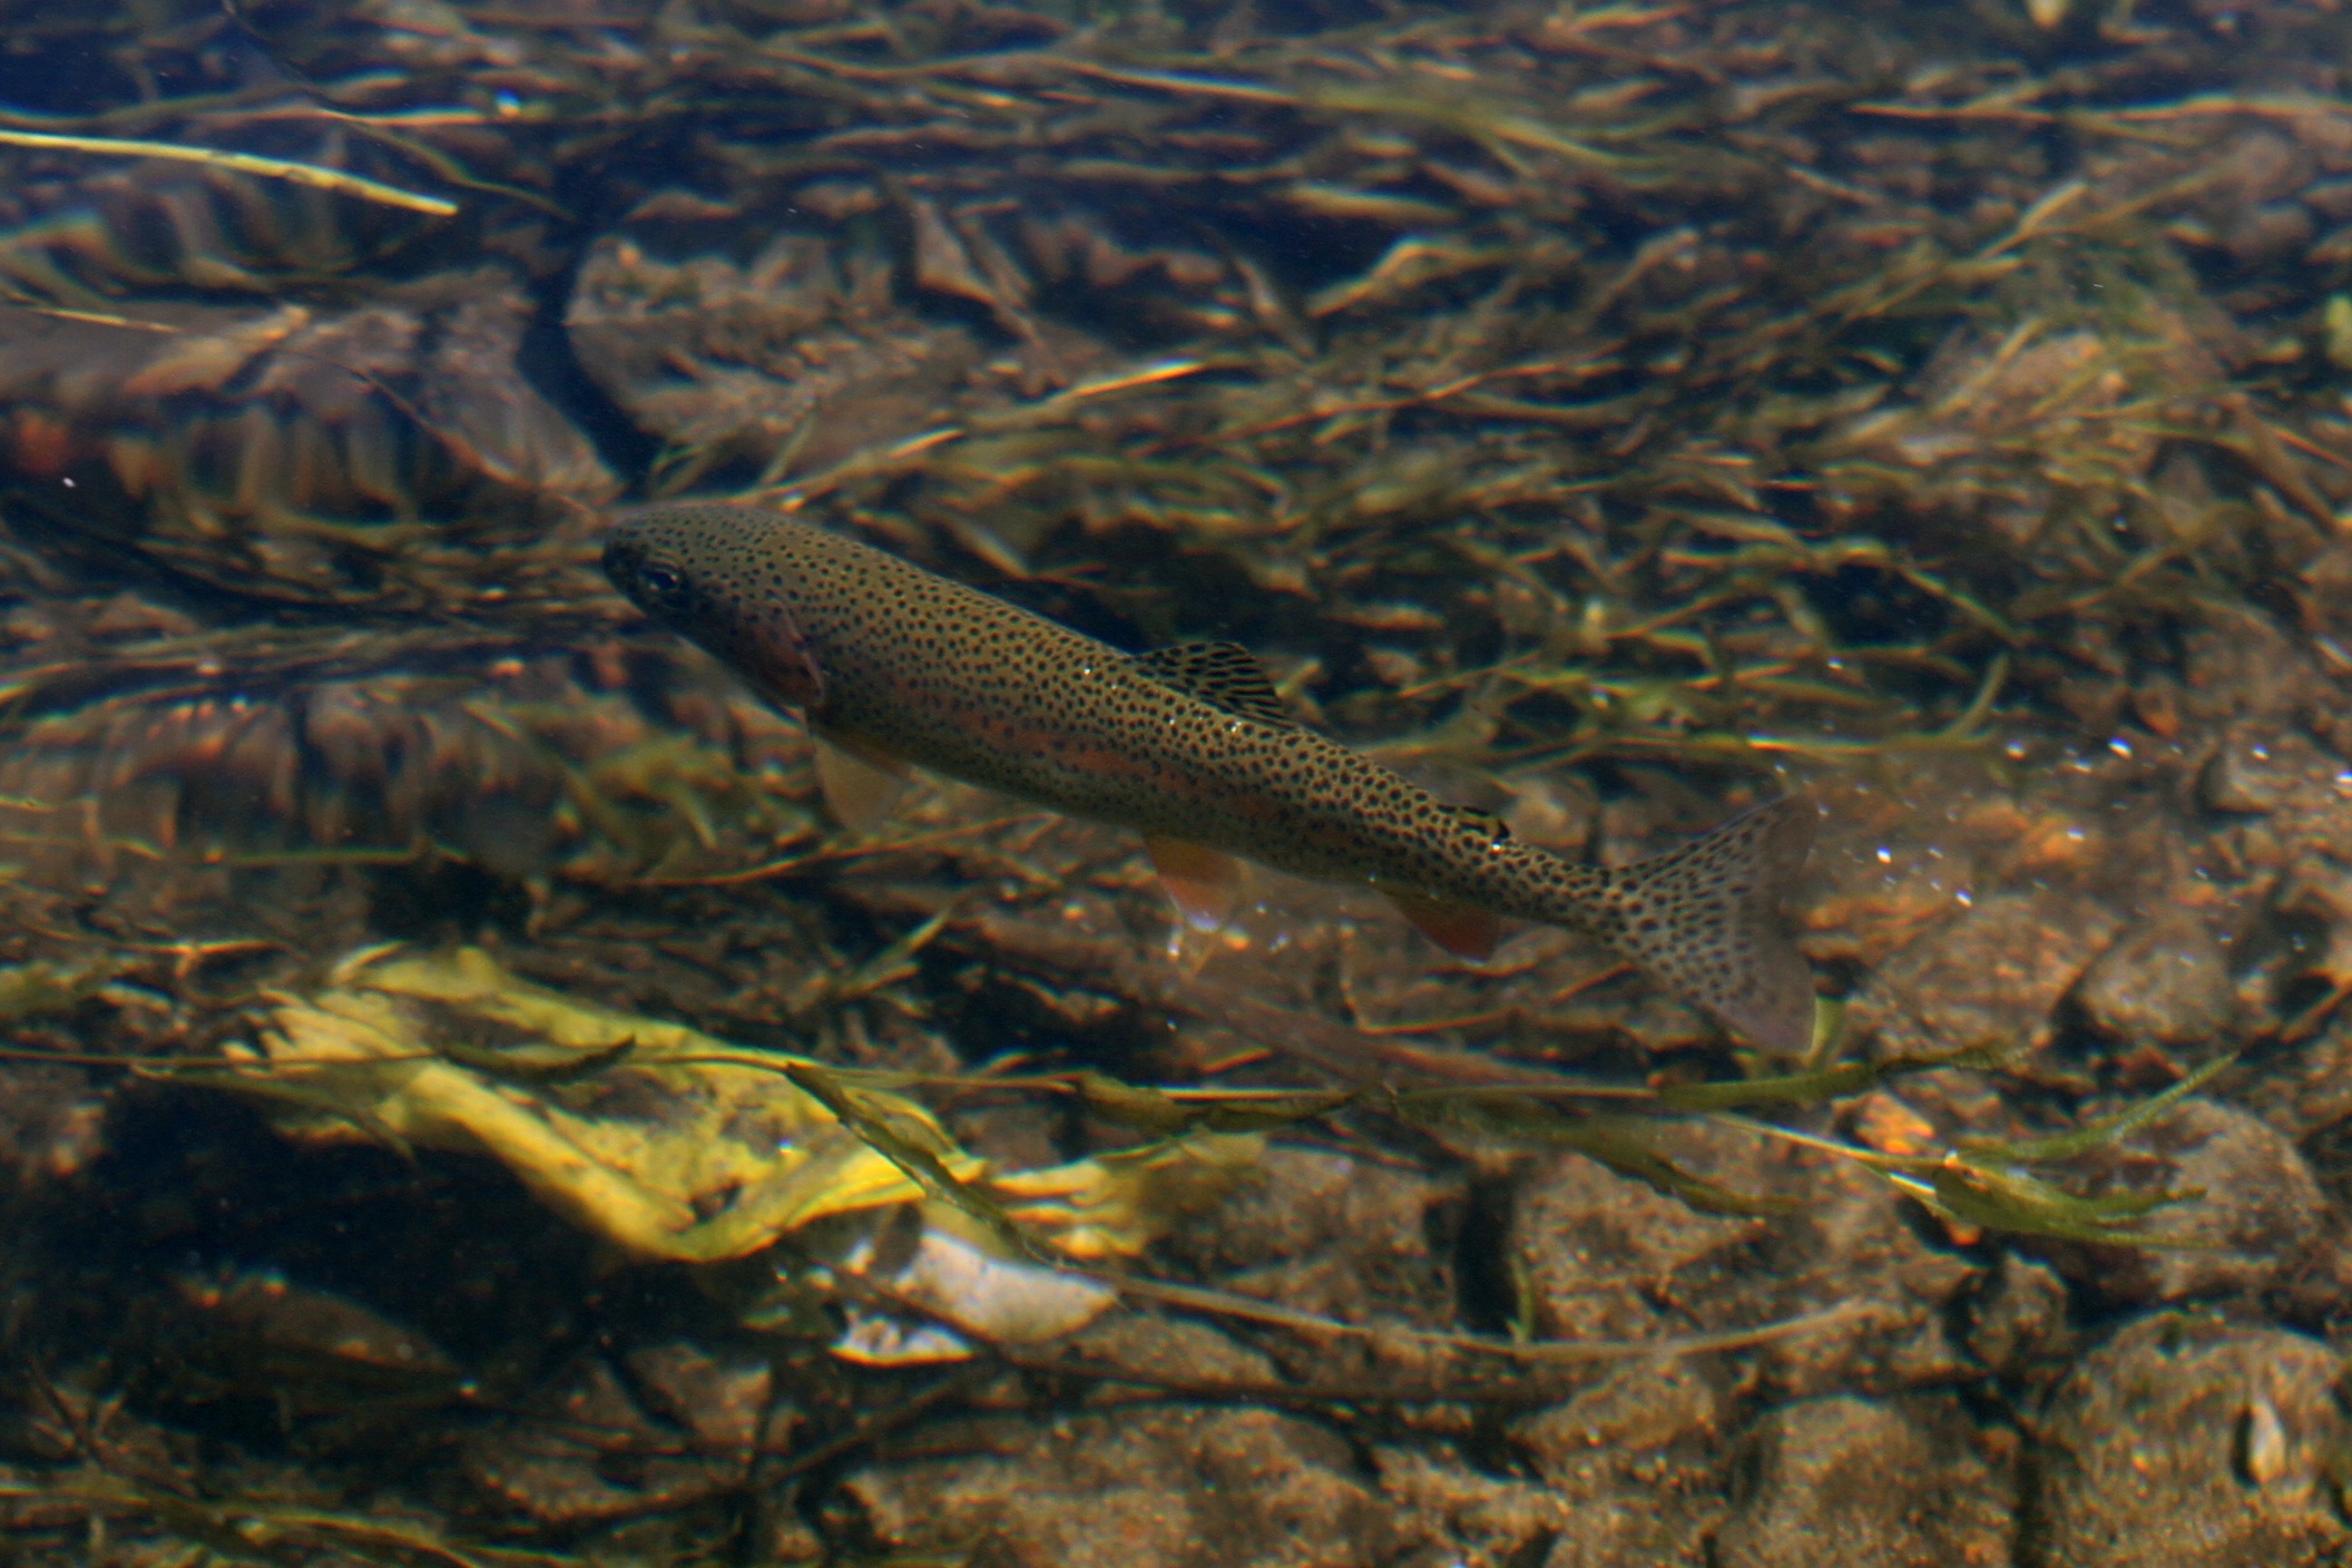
(674, 1146)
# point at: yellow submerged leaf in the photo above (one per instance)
(669, 1144)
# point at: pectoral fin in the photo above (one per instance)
(860, 785)
(1204, 884)
(1462, 930)
(778, 658)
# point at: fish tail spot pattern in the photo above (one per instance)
(1705, 921)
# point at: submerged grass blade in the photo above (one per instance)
(1822, 1084)
(1624, 1144)
(541, 1067)
(921, 1165)
(311, 175)
(1972, 1196)
(1170, 1115)
(2098, 1134)
(1982, 1182)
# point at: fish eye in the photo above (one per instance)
(660, 581)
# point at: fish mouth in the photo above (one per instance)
(624, 553)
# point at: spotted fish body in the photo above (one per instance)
(1190, 746)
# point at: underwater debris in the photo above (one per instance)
(677, 1147)
(28, 989)
(344, 751)
(790, 363)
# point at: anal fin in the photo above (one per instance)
(1463, 929)
(1204, 884)
(860, 785)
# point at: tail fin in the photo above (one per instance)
(1705, 919)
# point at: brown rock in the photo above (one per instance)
(1451, 1512)
(727, 1401)
(1635, 1462)
(1855, 1248)
(1992, 975)
(1849, 1481)
(1606, 1256)
(2186, 1443)
(1181, 1487)
(1601, 1252)
(1324, 1233)
(2165, 982)
(588, 1449)
(2260, 1213)
(2259, 768)
(2017, 1320)
(52, 1120)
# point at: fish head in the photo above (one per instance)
(697, 569)
(646, 562)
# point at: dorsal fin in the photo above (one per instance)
(1223, 674)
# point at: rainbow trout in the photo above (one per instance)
(890, 664)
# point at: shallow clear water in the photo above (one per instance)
(468, 1097)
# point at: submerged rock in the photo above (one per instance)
(1607, 1257)
(684, 1425)
(1454, 1513)
(2017, 1321)
(1635, 1462)
(1994, 976)
(1329, 1233)
(1603, 1256)
(2165, 982)
(1183, 1488)
(52, 1121)
(1846, 1481)
(2187, 1443)
(2259, 1211)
